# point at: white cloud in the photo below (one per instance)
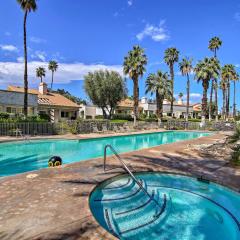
(39, 55)
(20, 59)
(237, 65)
(130, 2)
(37, 40)
(9, 48)
(237, 16)
(12, 72)
(157, 33)
(194, 97)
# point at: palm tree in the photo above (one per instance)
(171, 57)
(228, 74)
(204, 71)
(52, 66)
(27, 6)
(235, 79)
(180, 95)
(134, 65)
(223, 86)
(214, 44)
(40, 73)
(186, 68)
(160, 85)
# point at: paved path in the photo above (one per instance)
(53, 203)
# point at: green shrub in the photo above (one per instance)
(99, 117)
(4, 115)
(44, 116)
(122, 117)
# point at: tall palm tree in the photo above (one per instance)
(235, 79)
(52, 66)
(134, 65)
(40, 73)
(204, 71)
(214, 44)
(223, 86)
(170, 58)
(160, 85)
(186, 68)
(27, 6)
(180, 95)
(228, 75)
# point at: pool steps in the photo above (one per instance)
(138, 211)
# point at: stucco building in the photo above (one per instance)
(42, 101)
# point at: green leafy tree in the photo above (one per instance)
(170, 58)
(186, 68)
(40, 73)
(134, 66)
(27, 6)
(160, 85)
(214, 44)
(105, 89)
(205, 70)
(52, 66)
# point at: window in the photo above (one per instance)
(9, 110)
(64, 114)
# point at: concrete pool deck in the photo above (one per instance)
(53, 203)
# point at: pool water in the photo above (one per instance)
(20, 157)
(188, 209)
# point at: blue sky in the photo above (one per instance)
(90, 34)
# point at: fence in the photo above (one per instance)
(36, 128)
(211, 126)
(28, 128)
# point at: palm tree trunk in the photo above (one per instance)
(216, 91)
(228, 99)
(135, 99)
(234, 99)
(172, 88)
(211, 102)
(204, 102)
(52, 81)
(158, 107)
(25, 108)
(216, 99)
(188, 96)
(224, 104)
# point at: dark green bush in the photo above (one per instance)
(4, 115)
(122, 117)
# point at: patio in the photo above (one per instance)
(53, 203)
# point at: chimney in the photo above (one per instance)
(180, 101)
(143, 100)
(43, 88)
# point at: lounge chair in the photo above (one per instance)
(126, 127)
(115, 128)
(96, 130)
(104, 128)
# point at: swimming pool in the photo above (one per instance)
(188, 209)
(20, 157)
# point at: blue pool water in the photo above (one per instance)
(20, 157)
(189, 209)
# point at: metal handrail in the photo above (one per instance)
(125, 167)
